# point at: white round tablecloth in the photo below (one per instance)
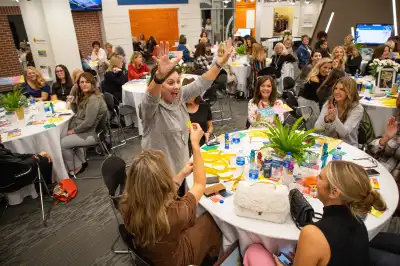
(378, 113)
(277, 236)
(133, 93)
(242, 72)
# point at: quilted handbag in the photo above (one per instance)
(301, 211)
(261, 200)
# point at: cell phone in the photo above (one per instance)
(284, 259)
(372, 172)
(212, 180)
(225, 193)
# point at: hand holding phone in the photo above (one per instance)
(284, 259)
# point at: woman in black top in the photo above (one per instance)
(325, 90)
(340, 238)
(381, 52)
(354, 59)
(115, 78)
(280, 57)
(63, 85)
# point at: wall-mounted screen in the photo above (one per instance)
(373, 33)
(243, 32)
(85, 5)
(151, 2)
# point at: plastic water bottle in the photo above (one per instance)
(236, 137)
(337, 155)
(398, 79)
(226, 141)
(253, 171)
(267, 166)
(240, 162)
(288, 166)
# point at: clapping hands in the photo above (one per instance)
(331, 116)
(391, 128)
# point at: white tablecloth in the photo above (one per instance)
(277, 236)
(242, 72)
(132, 95)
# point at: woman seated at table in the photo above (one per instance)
(119, 51)
(345, 190)
(339, 57)
(257, 60)
(35, 85)
(201, 60)
(249, 45)
(109, 50)
(98, 53)
(63, 85)
(381, 52)
(141, 41)
(325, 90)
(280, 57)
(264, 97)
(341, 116)
(115, 78)
(182, 47)
(314, 58)
(137, 69)
(165, 228)
(354, 59)
(308, 94)
(90, 113)
(75, 75)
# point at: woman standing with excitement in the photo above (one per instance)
(163, 111)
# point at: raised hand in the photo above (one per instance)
(165, 65)
(196, 133)
(391, 128)
(228, 52)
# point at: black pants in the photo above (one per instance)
(385, 249)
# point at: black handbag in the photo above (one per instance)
(301, 211)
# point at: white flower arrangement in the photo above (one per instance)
(377, 65)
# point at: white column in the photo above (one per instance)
(50, 28)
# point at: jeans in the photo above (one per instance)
(385, 249)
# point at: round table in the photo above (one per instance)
(242, 72)
(276, 236)
(133, 93)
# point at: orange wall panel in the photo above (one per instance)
(162, 23)
(241, 12)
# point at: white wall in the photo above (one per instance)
(118, 30)
(309, 12)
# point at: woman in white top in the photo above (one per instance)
(341, 116)
(98, 53)
(264, 97)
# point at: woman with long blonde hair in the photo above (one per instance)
(137, 68)
(341, 116)
(35, 85)
(115, 77)
(339, 57)
(280, 57)
(165, 228)
(341, 236)
(257, 60)
(308, 94)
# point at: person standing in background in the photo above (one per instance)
(288, 43)
(304, 52)
(182, 47)
(208, 30)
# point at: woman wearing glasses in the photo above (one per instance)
(264, 97)
(63, 85)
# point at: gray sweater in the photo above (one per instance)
(165, 125)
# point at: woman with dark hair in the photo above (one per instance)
(182, 47)
(201, 60)
(322, 47)
(353, 60)
(63, 85)
(249, 45)
(304, 51)
(265, 95)
(90, 113)
(325, 90)
(321, 36)
(149, 48)
(381, 52)
(203, 35)
(98, 53)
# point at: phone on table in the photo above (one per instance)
(372, 172)
(284, 259)
(212, 180)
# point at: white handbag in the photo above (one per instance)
(264, 201)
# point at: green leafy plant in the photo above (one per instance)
(359, 46)
(241, 50)
(13, 100)
(284, 139)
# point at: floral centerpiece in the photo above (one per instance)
(287, 33)
(14, 101)
(241, 50)
(377, 65)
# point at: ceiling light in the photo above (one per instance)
(307, 1)
(394, 17)
(329, 22)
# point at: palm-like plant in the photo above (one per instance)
(284, 139)
(13, 100)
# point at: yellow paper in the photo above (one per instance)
(332, 143)
(376, 213)
(261, 133)
(389, 102)
(55, 119)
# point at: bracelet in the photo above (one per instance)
(218, 65)
(157, 80)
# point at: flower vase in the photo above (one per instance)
(19, 111)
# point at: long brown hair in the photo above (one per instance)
(39, 81)
(352, 98)
(355, 187)
(148, 192)
(257, 92)
(258, 52)
(200, 50)
(333, 76)
(82, 98)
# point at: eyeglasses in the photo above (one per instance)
(370, 159)
(59, 71)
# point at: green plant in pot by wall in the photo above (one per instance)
(284, 139)
(241, 50)
(13, 100)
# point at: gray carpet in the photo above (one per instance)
(82, 231)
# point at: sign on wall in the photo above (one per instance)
(151, 2)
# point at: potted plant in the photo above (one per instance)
(284, 139)
(14, 101)
(241, 50)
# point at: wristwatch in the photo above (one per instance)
(157, 80)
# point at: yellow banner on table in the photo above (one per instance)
(388, 102)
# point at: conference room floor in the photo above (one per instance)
(82, 231)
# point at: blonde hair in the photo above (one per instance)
(108, 45)
(75, 74)
(353, 183)
(315, 70)
(39, 81)
(290, 39)
(149, 191)
(221, 50)
(352, 98)
(343, 60)
(204, 40)
(115, 61)
(258, 52)
(284, 50)
(134, 56)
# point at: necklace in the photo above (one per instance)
(276, 61)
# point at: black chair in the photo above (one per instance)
(128, 239)
(113, 172)
(366, 132)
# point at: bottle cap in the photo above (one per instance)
(221, 201)
(289, 153)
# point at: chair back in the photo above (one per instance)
(128, 239)
(114, 174)
(288, 83)
(109, 99)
